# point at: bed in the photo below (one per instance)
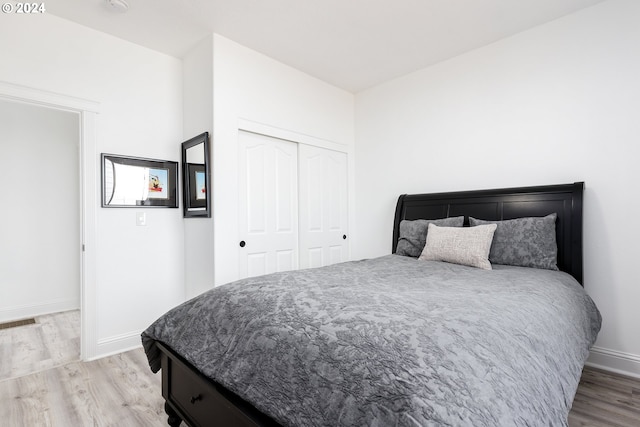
(394, 340)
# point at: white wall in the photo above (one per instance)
(39, 219)
(140, 270)
(250, 87)
(198, 118)
(555, 104)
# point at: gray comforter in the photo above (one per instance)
(392, 341)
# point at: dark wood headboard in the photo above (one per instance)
(507, 203)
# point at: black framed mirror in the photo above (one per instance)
(196, 177)
(134, 182)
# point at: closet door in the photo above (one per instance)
(268, 210)
(323, 206)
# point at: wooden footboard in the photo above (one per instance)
(198, 401)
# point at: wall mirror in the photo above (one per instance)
(195, 172)
(137, 182)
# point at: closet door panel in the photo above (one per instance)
(285, 260)
(336, 254)
(268, 205)
(314, 258)
(256, 191)
(256, 264)
(323, 206)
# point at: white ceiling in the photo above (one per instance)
(352, 44)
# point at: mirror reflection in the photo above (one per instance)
(131, 181)
(195, 166)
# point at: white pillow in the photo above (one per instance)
(459, 245)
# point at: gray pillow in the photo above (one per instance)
(524, 242)
(413, 234)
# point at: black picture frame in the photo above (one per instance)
(137, 182)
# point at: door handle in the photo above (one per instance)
(242, 243)
(344, 237)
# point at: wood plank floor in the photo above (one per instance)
(114, 391)
(121, 390)
(43, 382)
(606, 399)
(53, 340)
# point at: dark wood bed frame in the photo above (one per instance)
(507, 203)
(199, 401)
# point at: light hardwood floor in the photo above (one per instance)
(114, 391)
(122, 391)
(54, 340)
(43, 383)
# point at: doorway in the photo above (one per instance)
(41, 230)
(84, 113)
(40, 224)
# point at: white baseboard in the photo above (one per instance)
(614, 361)
(8, 314)
(117, 344)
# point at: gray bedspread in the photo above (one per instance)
(392, 341)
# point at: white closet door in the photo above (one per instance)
(323, 206)
(268, 210)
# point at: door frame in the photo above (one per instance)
(87, 112)
(287, 135)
